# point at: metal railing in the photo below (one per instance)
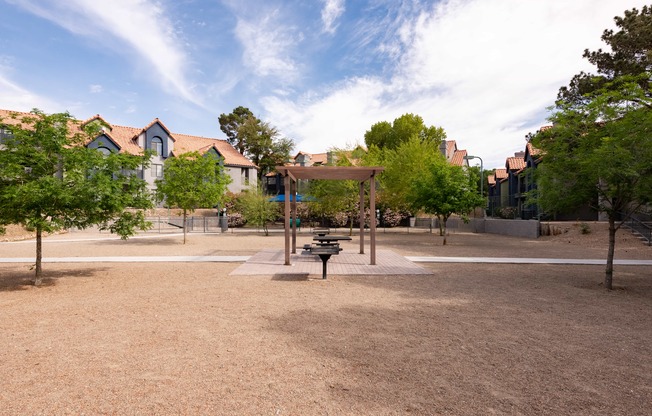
(193, 224)
(642, 228)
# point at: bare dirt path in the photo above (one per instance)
(187, 338)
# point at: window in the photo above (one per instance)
(5, 133)
(245, 176)
(104, 150)
(157, 146)
(157, 171)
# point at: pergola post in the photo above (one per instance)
(362, 205)
(372, 224)
(287, 181)
(293, 205)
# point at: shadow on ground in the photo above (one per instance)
(22, 278)
(289, 277)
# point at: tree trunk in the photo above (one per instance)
(444, 229)
(185, 221)
(608, 278)
(441, 225)
(39, 255)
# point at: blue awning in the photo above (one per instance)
(300, 198)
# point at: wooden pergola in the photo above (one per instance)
(292, 174)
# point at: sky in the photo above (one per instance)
(321, 71)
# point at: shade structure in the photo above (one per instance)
(292, 174)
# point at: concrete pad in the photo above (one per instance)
(271, 262)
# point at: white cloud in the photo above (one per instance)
(140, 25)
(15, 97)
(268, 43)
(484, 70)
(332, 10)
(95, 88)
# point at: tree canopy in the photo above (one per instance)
(629, 54)
(230, 124)
(256, 139)
(443, 190)
(403, 166)
(599, 147)
(49, 180)
(257, 208)
(192, 181)
(389, 136)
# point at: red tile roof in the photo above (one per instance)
(529, 148)
(187, 143)
(515, 163)
(491, 179)
(127, 139)
(501, 174)
(458, 158)
(315, 158)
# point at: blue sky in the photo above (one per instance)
(322, 71)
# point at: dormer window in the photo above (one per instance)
(157, 146)
(104, 150)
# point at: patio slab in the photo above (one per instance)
(271, 262)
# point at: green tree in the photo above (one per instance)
(599, 150)
(390, 136)
(629, 54)
(257, 208)
(230, 124)
(192, 181)
(265, 147)
(403, 166)
(50, 181)
(444, 190)
(256, 139)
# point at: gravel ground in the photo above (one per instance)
(187, 338)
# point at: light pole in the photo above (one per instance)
(469, 157)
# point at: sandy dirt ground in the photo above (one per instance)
(188, 338)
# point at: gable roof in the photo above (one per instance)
(315, 158)
(458, 158)
(186, 143)
(126, 138)
(500, 174)
(515, 163)
(534, 153)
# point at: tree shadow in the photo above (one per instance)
(145, 242)
(23, 278)
(290, 277)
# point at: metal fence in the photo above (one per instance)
(193, 224)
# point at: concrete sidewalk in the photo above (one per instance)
(271, 262)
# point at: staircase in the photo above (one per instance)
(641, 229)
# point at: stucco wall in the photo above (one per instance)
(514, 228)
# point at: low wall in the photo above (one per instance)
(514, 228)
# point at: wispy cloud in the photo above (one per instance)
(15, 97)
(331, 11)
(95, 88)
(486, 81)
(142, 26)
(268, 43)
